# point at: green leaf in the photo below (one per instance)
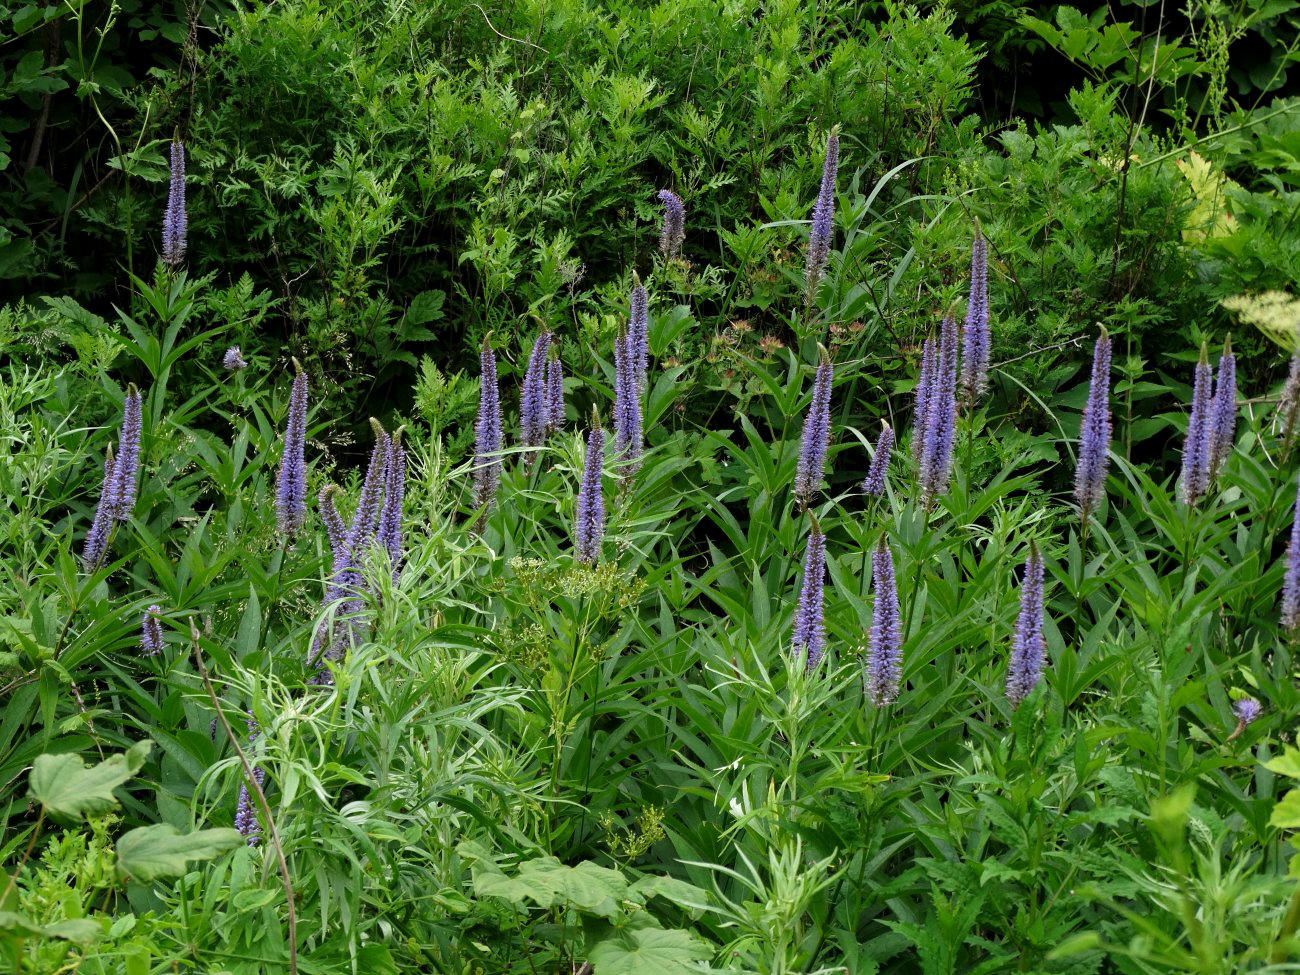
(1288, 763)
(1286, 814)
(649, 951)
(588, 887)
(149, 852)
(66, 786)
(82, 931)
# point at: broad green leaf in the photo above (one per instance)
(149, 852)
(82, 931)
(1288, 763)
(588, 887)
(66, 786)
(649, 951)
(1286, 814)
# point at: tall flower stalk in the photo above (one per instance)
(175, 221)
(977, 340)
(808, 641)
(388, 532)
(638, 332)
(589, 513)
(117, 492)
(925, 394)
(532, 397)
(1028, 646)
(816, 438)
(873, 486)
(1196, 452)
(246, 821)
(151, 635)
(1094, 433)
(487, 433)
(1222, 419)
(628, 432)
(554, 390)
(823, 215)
(940, 417)
(885, 643)
(1291, 576)
(672, 231)
(291, 483)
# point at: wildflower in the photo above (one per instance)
(1094, 434)
(487, 432)
(1291, 575)
(976, 339)
(638, 336)
(128, 456)
(246, 821)
(628, 433)
(673, 229)
(1247, 709)
(925, 388)
(233, 360)
(819, 237)
(874, 483)
(589, 513)
(554, 390)
(885, 644)
(1221, 422)
(940, 416)
(809, 639)
(532, 398)
(335, 530)
(291, 483)
(1196, 452)
(174, 219)
(96, 544)
(362, 530)
(151, 637)
(1028, 647)
(816, 432)
(389, 532)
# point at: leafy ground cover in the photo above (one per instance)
(804, 527)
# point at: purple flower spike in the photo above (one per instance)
(128, 456)
(1196, 453)
(885, 645)
(589, 514)
(487, 432)
(977, 340)
(291, 484)
(1247, 709)
(335, 530)
(940, 417)
(673, 229)
(1094, 434)
(389, 532)
(823, 214)
(816, 433)
(1222, 420)
(874, 484)
(1289, 402)
(96, 545)
(925, 389)
(638, 334)
(809, 639)
(1291, 575)
(174, 218)
(628, 433)
(361, 533)
(554, 390)
(532, 398)
(1028, 648)
(245, 814)
(151, 637)
(233, 360)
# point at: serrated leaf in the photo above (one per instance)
(649, 951)
(66, 786)
(1288, 763)
(1286, 814)
(149, 852)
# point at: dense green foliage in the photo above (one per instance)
(524, 764)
